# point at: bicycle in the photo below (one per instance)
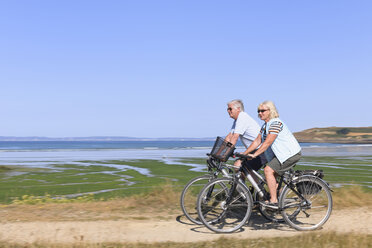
(225, 204)
(220, 153)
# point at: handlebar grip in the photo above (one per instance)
(240, 155)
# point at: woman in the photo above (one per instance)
(277, 143)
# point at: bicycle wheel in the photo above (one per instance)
(310, 211)
(190, 194)
(222, 209)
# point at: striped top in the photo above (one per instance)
(285, 144)
(274, 128)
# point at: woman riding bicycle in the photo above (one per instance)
(277, 143)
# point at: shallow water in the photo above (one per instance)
(50, 156)
(119, 154)
(46, 158)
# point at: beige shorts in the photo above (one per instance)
(281, 168)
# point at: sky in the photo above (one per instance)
(168, 68)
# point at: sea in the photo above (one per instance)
(28, 152)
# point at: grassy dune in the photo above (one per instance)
(159, 203)
(355, 135)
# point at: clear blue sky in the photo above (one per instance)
(168, 68)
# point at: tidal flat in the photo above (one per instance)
(121, 178)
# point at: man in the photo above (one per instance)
(244, 127)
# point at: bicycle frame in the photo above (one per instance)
(253, 182)
(282, 180)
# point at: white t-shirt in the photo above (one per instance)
(246, 127)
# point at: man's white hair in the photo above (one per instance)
(237, 103)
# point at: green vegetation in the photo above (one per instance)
(93, 180)
(343, 131)
(341, 171)
(306, 240)
(4, 168)
(107, 182)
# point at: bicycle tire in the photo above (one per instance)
(189, 197)
(311, 212)
(214, 210)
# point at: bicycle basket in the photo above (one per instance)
(222, 150)
(307, 187)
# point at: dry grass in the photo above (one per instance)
(161, 197)
(161, 203)
(307, 240)
(350, 197)
(161, 200)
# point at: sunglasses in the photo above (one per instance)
(262, 110)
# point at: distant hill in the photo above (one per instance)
(350, 135)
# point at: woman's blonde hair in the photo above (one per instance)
(271, 106)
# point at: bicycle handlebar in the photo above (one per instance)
(240, 155)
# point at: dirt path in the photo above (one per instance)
(176, 229)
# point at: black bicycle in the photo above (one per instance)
(217, 166)
(225, 204)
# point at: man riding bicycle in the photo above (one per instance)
(245, 128)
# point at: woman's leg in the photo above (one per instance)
(271, 183)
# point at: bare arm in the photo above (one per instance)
(254, 145)
(270, 138)
(228, 137)
(232, 138)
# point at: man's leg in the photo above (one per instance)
(237, 165)
(254, 164)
